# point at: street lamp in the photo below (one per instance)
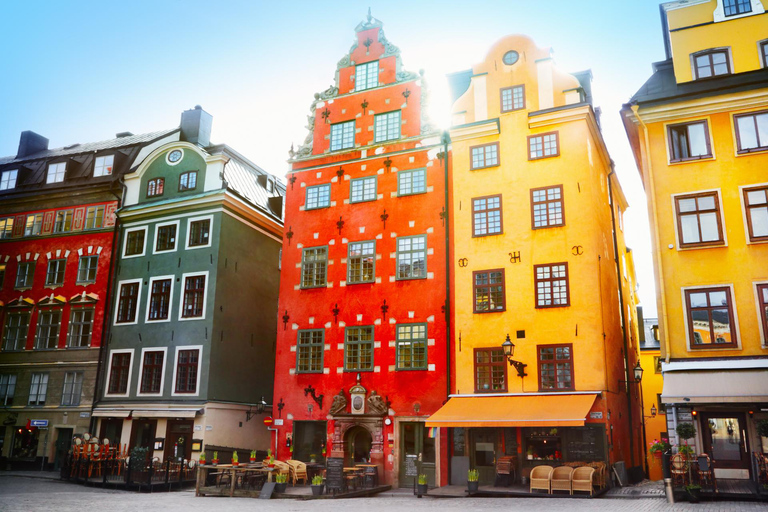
(260, 407)
(638, 374)
(509, 351)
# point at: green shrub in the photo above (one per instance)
(281, 478)
(317, 480)
(139, 457)
(686, 431)
(473, 475)
(762, 428)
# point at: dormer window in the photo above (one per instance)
(8, 179)
(56, 172)
(734, 7)
(103, 166)
(155, 187)
(367, 76)
(187, 181)
(711, 63)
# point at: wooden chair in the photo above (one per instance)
(540, 478)
(298, 471)
(705, 471)
(679, 470)
(581, 480)
(561, 479)
(282, 468)
(599, 476)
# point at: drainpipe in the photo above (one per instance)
(446, 139)
(274, 429)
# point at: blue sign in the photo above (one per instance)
(38, 423)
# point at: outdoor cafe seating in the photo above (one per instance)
(570, 476)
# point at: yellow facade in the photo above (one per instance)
(655, 425)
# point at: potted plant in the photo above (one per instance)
(694, 492)
(253, 456)
(659, 447)
(317, 485)
(270, 460)
(473, 480)
(421, 487)
(235, 459)
(215, 458)
(281, 482)
(762, 428)
(686, 431)
(202, 459)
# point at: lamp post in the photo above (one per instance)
(509, 351)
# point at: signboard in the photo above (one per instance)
(278, 422)
(268, 420)
(596, 415)
(410, 465)
(85, 415)
(334, 474)
(267, 490)
(38, 423)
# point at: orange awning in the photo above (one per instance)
(514, 411)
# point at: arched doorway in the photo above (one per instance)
(357, 442)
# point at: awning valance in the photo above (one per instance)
(732, 386)
(111, 413)
(514, 411)
(165, 413)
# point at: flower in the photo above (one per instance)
(660, 445)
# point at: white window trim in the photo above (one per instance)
(763, 334)
(744, 212)
(125, 242)
(109, 372)
(16, 171)
(168, 154)
(735, 317)
(149, 299)
(117, 302)
(707, 120)
(104, 166)
(48, 173)
(164, 350)
(181, 295)
(199, 348)
(175, 244)
(722, 220)
(719, 12)
(189, 228)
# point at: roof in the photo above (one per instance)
(650, 342)
(458, 83)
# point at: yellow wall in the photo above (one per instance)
(652, 384)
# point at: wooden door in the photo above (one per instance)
(725, 439)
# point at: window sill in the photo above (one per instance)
(85, 283)
(410, 278)
(694, 159)
(487, 234)
(399, 194)
(489, 311)
(550, 226)
(491, 390)
(707, 245)
(347, 370)
(306, 209)
(714, 346)
(484, 167)
(350, 283)
(532, 159)
(411, 369)
(751, 151)
(313, 287)
(553, 306)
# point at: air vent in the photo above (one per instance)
(123, 134)
(72, 146)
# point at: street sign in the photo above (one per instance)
(38, 423)
(268, 420)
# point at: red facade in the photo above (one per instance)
(364, 274)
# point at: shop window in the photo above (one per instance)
(484, 156)
(547, 207)
(342, 135)
(490, 370)
(543, 146)
(698, 220)
(412, 347)
(80, 328)
(367, 76)
(412, 257)
(7, 389)
(318, 196)
(94, 217)
(73, 387)
(48, 325)
(361, 261)
(38, 389)
(489, 291)
(25, 443)
(551, 285)
(486, 216)
(309, 351)
(689, 141)
(16, 330)
(555, 367)
(314, 263)
(752, 132)
(513, 98)
(309, 440)
(710, 318)
(187, 370)
(386, 126)
(358, 349)
(756, 205)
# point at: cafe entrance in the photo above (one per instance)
(725, 440)
(416, 447)
(357, 442)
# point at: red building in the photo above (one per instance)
(362, 336)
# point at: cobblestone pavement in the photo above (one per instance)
(22, 493)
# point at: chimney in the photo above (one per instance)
(196, 126)
(31, 143)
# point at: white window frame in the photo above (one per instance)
(719, 12)
(175, 243)
(109, 372)
(8, 179)
(189, 230)
(181, 294)
(164, 350)
(117, 302)
(100, 164)
(47, 377)
(199, 348)
(149, 299)
(125, 241)
(71, 394)
(736, 329)
(58, 173)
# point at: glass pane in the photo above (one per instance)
(687, 205)
(718, 58)
(690, 228)
(756, 197)
(718, 298)
(721, 323)
(706, 203)
(726, 438)
(747, 134)
(701, 333)
(762, 129)
(709, 229)
(698, 300)
(698, 140)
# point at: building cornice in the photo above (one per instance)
(703, 106)
(485, 128)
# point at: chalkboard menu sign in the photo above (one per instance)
(585, 443)
(410, 466)
(458, 442)
(334, 474)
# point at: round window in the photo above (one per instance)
(510, 57)
(174, 156)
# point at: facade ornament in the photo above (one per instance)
(404, 76)
(339, 403)
(376, 404)
(306, 148)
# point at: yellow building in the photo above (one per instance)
(654, 416)
(536, 266)
(699, 131)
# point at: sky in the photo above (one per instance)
(82, 71)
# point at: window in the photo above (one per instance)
(366, 76)
(358, 349)
(159, 299)
(486, 216)
(734, 7)
(555, 367)
(551, 285)
(73, 387)
(485, 156)
(199, 233)
(342, 135)
(361, 262)
(25, 274)
(119, 372)
(56, 172)
(411, 182)
(16, 329)
(711, 63)
(134, 242)
(309, 351)
(764, 53)
(386, 126)
(710, 318)
(34, 224)
(187, 181)
(412, 257)
(80, 328)
(362, 189)
(152, 371)
(314, 263)
(752, 132)
(657, 365)
(756, 204)
(489, 291)
(6, 227)
(186, 371)
(86, 269)
(2, 275)
(689, 141)
(128, 302)
(8, 179)
(165, 238)
(55, 274)
(698, 220)
(38, 389)
(490, 370)
(412, 347)
(193, 302)
(7, 389)
(155, 187)
(94, 217)
(63, 221)
(762, 301)
(102, 166)
(543, 146)
(513, 98)
(547, 207)
(48, 325)
(318, 197)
